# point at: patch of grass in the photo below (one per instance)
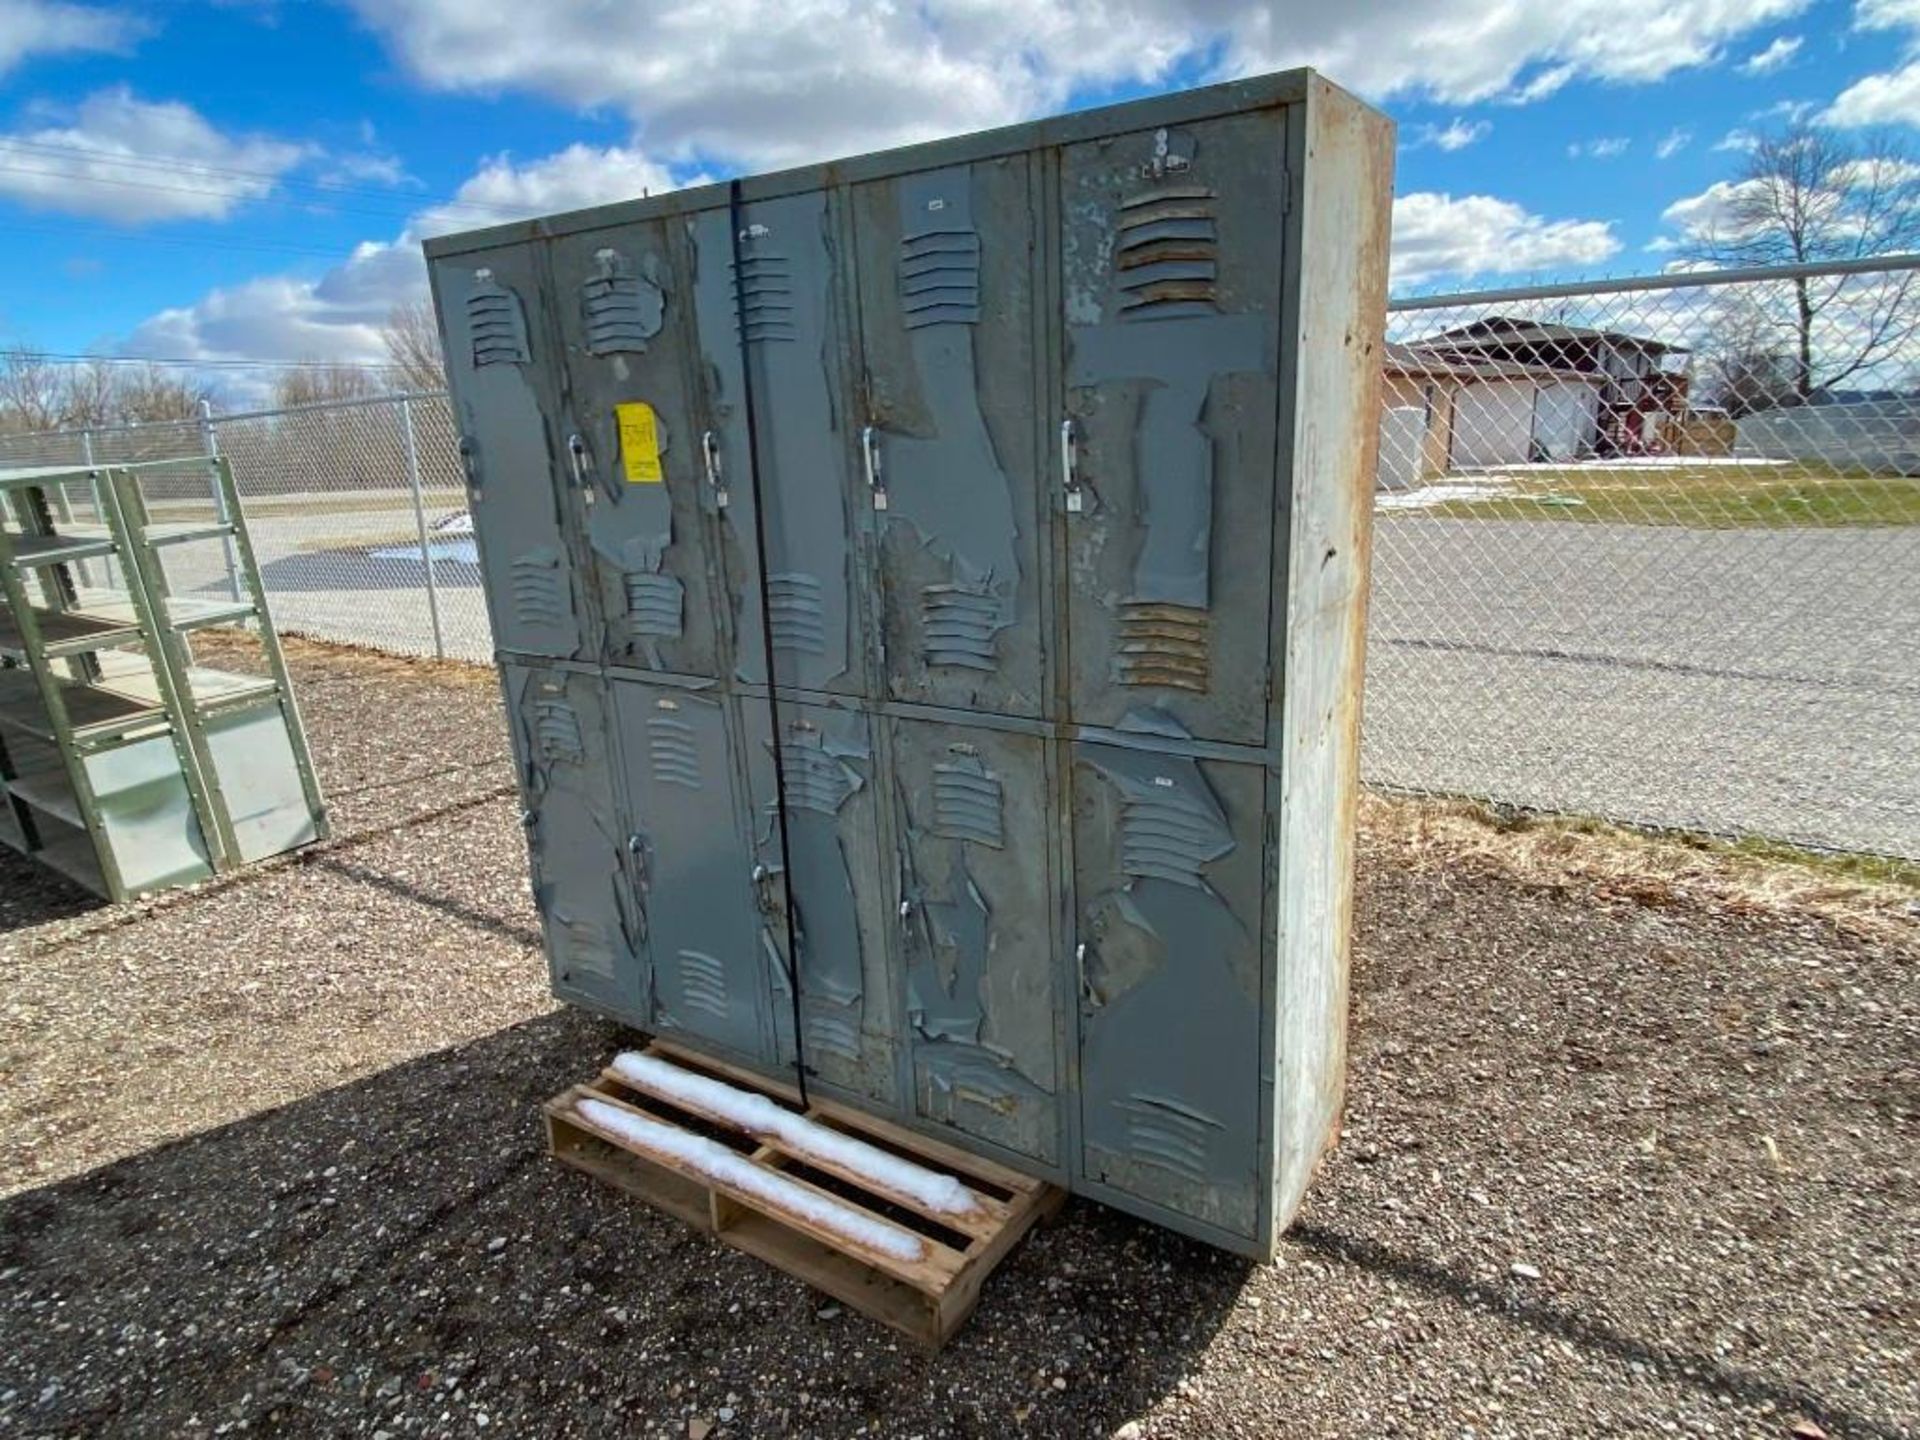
(1707, 497)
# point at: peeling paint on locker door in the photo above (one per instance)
(1170, 281)
(596, 937)
(836, 887)
(495, 320)
(977, 928)
(1168, 875)
(790, 329)
(692, 869)
(625, 308)
(947, 344)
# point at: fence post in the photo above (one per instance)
(420, 527)
(210, 443)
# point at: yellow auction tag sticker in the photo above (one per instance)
(639, 443)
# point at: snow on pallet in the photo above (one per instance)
(902, 1228)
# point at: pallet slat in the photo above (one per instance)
(928, 1298)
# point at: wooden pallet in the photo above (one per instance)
(928, 1298)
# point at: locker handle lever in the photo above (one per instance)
(1070, 469)
(710, 456)
(577, 454)
(876, 480)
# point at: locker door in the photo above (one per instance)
(632, 434)
(977, 929)
(596, 944)
(947, 283)
(692, 868)
(792, 332)
(836, 886)
(1170, 276)
(495, 326)
(1168, 873)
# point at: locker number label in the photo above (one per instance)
(639, 443)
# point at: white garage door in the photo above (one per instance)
(1563, 419)
(1493, 424)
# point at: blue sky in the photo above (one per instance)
(249, 179)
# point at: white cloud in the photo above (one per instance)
(764, 85)
(133, 161)
(338, 316)
(1436, 235)
(1887, 15)
(48, 27)
(1456, 135)
(1608, 148)
(1738, 138)
(1673, 142)
(1775, 57)
(1892, 98)
(1708, 214)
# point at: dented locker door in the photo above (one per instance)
(693, 883)
(977, 932)
(496, 325)
(1168, 873)
(836, 887)
(792, 333)
(562, 743)
(633, 436)
(1170, 276)
(947, 315)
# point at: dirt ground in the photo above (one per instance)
(1630, 1149)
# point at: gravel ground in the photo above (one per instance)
(1733, 680)
(1619, 1159)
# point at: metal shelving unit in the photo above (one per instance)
(128, 764)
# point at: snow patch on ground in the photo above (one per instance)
(723, 1166)
(1440, 494)
(759, 1116)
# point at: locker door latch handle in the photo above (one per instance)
(582, 464)
(876, 479)
(1070, 470)
(470, 463)
(710, 456)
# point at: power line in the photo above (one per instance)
(56, 358)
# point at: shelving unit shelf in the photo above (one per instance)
(127, 763)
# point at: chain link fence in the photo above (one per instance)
(1647, 550)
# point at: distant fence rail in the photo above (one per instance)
(1633, 558)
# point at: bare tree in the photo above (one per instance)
(1810, 195)
(412, 338)
(154, 392)
(32, 391)
(325, 384)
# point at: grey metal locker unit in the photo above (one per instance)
(1064, 435)
(632, 431)
(983, 1001)
(563, 741)
(949, 295)
(1171, 271)
(837, 887)
(494, 327)
(791, 283)
(694, 889)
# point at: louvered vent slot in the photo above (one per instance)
(556, 728)
(834, 1034)
(1167, 254)
(1168, 833)
(623, 312)
(766, 298)
(1164, 646)
(496, 325)
(960, 626)
(703, 983)
(654, 604)
(795, 614)
(815, 780)
(673, 752)
(539, 590)
(940, 278)
(1170, 1136)
(587, 948)
(967, 804)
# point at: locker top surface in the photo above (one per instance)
(1261, 92)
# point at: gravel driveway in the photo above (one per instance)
(1618, 1160)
